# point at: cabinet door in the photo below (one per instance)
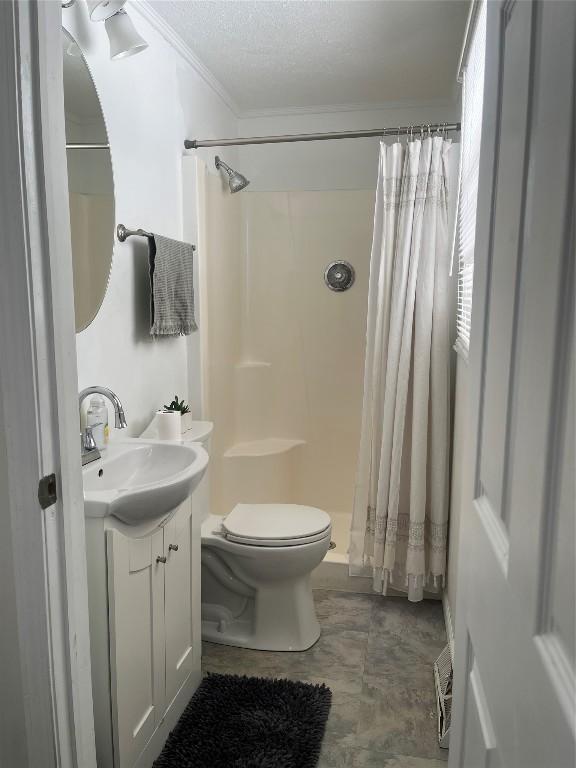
(136, 608)
(178, 609)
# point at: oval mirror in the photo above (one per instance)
(90, 185)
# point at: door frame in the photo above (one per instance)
(46, 697)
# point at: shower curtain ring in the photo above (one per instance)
(429, 131)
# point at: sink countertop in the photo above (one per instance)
(139, 480)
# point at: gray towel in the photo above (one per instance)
(171, 287)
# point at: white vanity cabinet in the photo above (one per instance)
(145, 626)
(137, 640)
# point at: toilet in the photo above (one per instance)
(256, 566)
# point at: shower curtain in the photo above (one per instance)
(400, 516)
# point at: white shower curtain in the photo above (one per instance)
(399, 524)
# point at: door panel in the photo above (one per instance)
(508, 190)
(517, 590)
(136, 603)
(561, 619)
(480, 748)
(178, 610)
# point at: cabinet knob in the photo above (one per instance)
(173, 547)
(160, 559)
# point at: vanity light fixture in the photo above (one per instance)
(100, 10)
(124, 39)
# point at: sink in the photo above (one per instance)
(138, 480)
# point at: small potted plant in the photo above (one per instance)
(184, 409)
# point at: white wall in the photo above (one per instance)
(342, 164)
(151, 102)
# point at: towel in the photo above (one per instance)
(171, 287)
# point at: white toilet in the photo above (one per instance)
(256, 566)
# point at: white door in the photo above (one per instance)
(514, 700)
(46, 692)
(137, 654)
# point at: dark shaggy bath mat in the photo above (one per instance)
(249, 722)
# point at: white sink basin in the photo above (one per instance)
(137, 480)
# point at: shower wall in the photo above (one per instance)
(220, 277)
(284, 354)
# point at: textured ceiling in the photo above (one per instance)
(304, 53)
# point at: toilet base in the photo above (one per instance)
(281, 617)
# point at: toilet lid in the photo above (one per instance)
(263, 523)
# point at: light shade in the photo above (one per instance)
(124, 39)
(100, 10)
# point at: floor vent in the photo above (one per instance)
(443, 680)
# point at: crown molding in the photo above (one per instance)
(164, 29)
(250, 114)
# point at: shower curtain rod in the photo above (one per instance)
(400, 131)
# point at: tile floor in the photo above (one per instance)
(376, 655)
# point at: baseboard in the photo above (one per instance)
(333, 574)
(448, 623)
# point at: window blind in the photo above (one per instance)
(472, 97)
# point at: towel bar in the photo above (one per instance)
(123, 232)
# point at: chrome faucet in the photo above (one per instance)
(88, 445)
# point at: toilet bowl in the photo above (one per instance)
(256, 566)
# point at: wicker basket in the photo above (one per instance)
(443, 680)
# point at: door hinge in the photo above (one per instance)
(47, 491)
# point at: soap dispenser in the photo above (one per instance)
(97, 418)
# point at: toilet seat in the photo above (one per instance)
(276, 525)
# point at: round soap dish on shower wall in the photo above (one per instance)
(339, 276)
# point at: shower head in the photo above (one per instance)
(236, 181)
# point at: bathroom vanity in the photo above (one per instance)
(144, 598)
(145, 630)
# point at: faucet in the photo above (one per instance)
(88, 445)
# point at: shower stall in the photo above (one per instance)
(282, 354)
